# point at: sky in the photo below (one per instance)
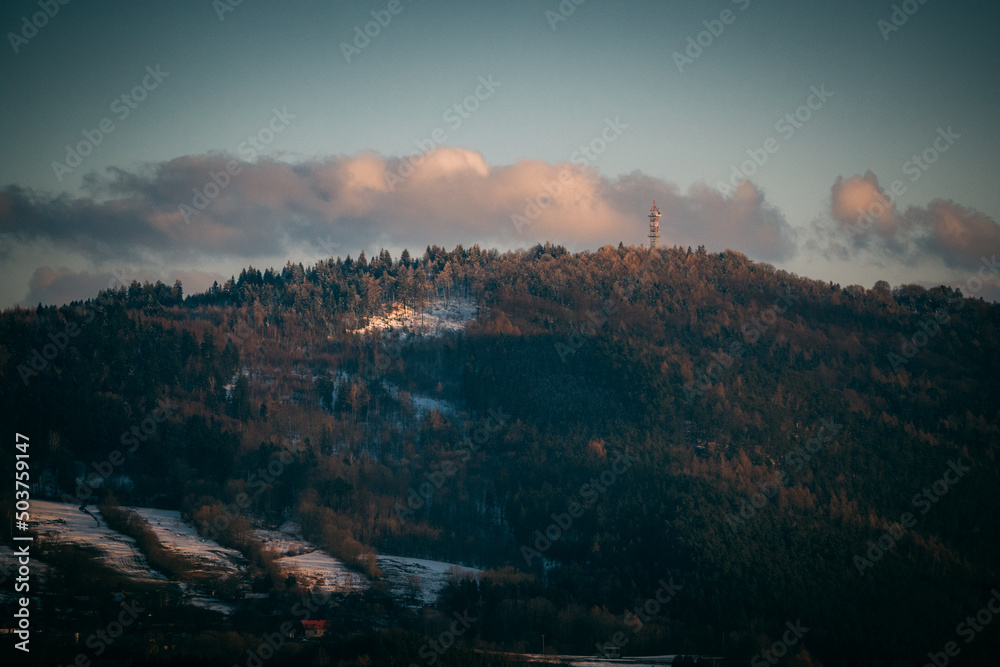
(848, 142)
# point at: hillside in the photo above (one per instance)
(583, 427)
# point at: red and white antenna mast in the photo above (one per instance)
(654, 226)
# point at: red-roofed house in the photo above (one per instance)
(315, 629)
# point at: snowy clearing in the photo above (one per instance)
(183, 538)
(422, 405)
(408, 578)
(415, 577)
(311, 565)
(67, 523)
(412, 579)
(436, 318)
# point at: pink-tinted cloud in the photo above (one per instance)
(861, 201)
(62, 286)
(868, 218)
(960, 236)
(212, 206)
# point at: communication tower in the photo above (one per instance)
(654, 226)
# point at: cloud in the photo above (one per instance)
(958, 235)
(744, 221)
(61, 286)
(860, 200)
(213, 206)
(214, 210)
(865, 218)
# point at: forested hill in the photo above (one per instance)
(784, 449)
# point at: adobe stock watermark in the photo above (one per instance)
(326, 246)
(100, 640)
(242, 331)
(273, 641)
(38, 20)
(562, 12)
(223, 7)
(417, 498)
(915, 167)
(786, 126)
(123, 276)
(967, 629)
(432, 650)
(924, 500)
(138, 434)
(231, 511)
(248, 150)
(751, 331)
(589, 326)
(642, 614)
(931, 327)
(779, 649)
(592, 322)
(362, 38)
(22, 584)
(147, 427)
(898, 17)
(38, 361)
(714, 28)
(454, 116)
(584, 156)
(797, 458)
(591, 492)
(122, 106)
(928, 329)
(388, 350)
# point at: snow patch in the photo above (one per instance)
(437, 318)
(418, 578)
(310, 565)
(408, 578)
(423, 405)
(67, 523)
(183, 538)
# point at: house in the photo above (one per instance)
(315, 629)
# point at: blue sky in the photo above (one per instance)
(315, 187)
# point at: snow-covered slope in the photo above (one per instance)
(412, 580)
(310, 565)
(67, 523)
(422, 405)
(415, 577)
(180, 537)
(435, 319)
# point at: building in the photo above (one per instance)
(315, 629)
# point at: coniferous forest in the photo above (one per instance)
(673, 451)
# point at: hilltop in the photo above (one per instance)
(581, 426)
